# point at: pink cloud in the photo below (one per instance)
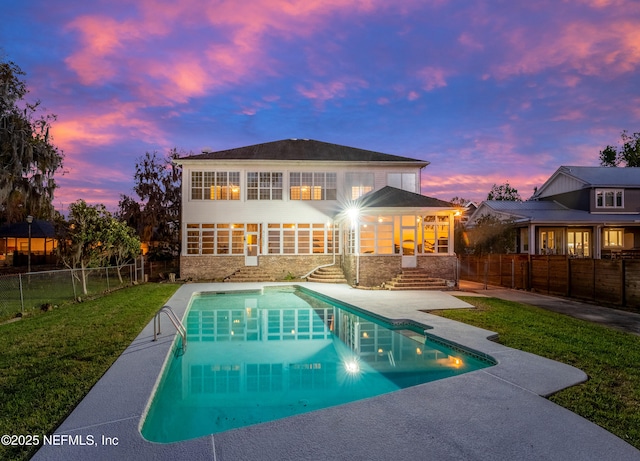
(568, 115)
(470, 42)
(239, 52)
(432, 77)
(104, 126)
(477, 186)
(322, 92)
(607, 47)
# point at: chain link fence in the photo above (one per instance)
(22, 293)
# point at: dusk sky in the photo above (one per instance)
(487, 91)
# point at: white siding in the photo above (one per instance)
(561, 184)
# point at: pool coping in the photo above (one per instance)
(494, 413)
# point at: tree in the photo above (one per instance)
(29, 160)
(504, 192)
(628, 155)
(92, 237)
(156, 213)
(459, 201)
(492, 235)
(121, 244)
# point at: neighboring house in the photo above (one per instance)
(591, 212)
(291, 206)
(14, 243)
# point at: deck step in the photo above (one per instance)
(416, 279)
(329, 274)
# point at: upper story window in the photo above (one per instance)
(404, 181)
(264, 186)
(358, 184)
(312, 186)
(215, 185)
(609, 198)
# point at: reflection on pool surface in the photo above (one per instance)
(254, 357)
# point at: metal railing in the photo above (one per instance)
(182, 331)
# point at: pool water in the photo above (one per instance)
(254, 357)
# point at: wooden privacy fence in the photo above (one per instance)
(610, 282)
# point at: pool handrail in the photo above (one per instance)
(176, 323)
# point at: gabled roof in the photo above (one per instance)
(302, 149)
(600, 176)
(580, 177)
(550, 212)
(39, 229)
(391, 197)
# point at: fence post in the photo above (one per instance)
(623, 278)
(21, 295)
(73, 283)
(106, 271)
(486, 272)
(513, 273)
(569, 278)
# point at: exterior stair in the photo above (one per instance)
(416, 279)
(329, 274)
(250, 274)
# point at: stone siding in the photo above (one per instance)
(279, 267)
(443, 267)
(375, 270)
(209, 267)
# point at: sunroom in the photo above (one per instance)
(390, 230)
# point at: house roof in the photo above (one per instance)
(302, 149)
(592, 176)
(391, 197)
(551, 212)
(39, 229)
(604, 176)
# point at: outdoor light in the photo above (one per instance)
(29, 221)
(352, 366)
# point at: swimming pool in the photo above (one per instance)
(258, 356)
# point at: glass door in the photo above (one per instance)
(252, 245)
(408, 241)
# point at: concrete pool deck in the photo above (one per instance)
(497, 413)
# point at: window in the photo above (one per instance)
(215, 239)
(359, 184)
(609, 198)
(613, 238)
(274, 234)
(524, 240)
(551, 241)
(578, 243)
(384, 235)
(312, 186)
(301, 238)
(435, 234)
(404, 181)
(193, 239)
(264, 186)
(212, 185)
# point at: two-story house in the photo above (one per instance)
(580, 211)
(294, 205)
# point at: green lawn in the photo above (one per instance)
(611, 359)
(49, 361)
